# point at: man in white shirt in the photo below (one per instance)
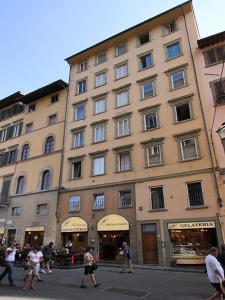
(9, 264)
(215, 273)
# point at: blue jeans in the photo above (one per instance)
(8, 270)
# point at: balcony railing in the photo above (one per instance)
(196, 199)
(98, 203)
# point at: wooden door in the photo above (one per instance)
(149, 247)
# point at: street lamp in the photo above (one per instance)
(221, 132)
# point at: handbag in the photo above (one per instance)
(94, 266)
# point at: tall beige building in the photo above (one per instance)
(31, 139)
(137, 162)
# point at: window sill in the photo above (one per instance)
(140, 45)
(166, 34)
(153, 166)
(75, 178)
(98, 209)
(99, 113)
(99, 142)
(168, 59)
(150, 129)
(125, 207)
(77, 147)
(158, 210)
(97, 175)
(118, 55)
(178, 88)
(77, 94)
(146, 68)
(142, 99)
(130, 170)
(120, 137)
(189, 159)
(98, 86)
(122, 106)
(79, 119)
(197, 207)
(116, 79)
(183, 121)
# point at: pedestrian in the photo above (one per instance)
(126, 258)
(9, 264)
(215, 273)
(221, 256)
(88, 268)
(48, 252)
(69, 246)
(34, 259)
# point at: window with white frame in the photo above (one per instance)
(16, 211)
(124, 161)
(99, 165)
(76, 169)
(218, 90)
(3, 134)
(81, 86)
(100, 79)
(121, 49)
(20, 185)
(78, 139)
(125, 199)
(214, 56)
(157, 198)
(99, 133)
(148, 89)
(195, 194)
(144, 38)
(170, 27)
(145, 61)
(182, 111)
(99, 201)
(74, 204)
(100, 58)
(154, 156)
(100, 106)
(79, 112)
(42, 209)
(121, 71)
(25, 152)
(16, 130)
(52, 119)
(150, 120)
(122, 98)
(123, 127)
(173, 50)
(189, 148)
(83, 66)
(29, 128)
(177, 80)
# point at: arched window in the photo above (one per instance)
(20, 185)
(46, 180)
(25, 152)
(49, 145)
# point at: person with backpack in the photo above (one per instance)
(9, 264)
(126, 258)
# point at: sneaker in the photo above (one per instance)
(49, 271)
(83, 286)
(97, 284)
(42, 271)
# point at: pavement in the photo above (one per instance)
(141, 284)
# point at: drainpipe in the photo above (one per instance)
(219, 199)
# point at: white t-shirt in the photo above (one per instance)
(10, 256)
(211, 265)
(88, 259)
(35, 257)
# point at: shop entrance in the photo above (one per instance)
(34, 238)
(149, 244)
(110, 243)
(78, 239)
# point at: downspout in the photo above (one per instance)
(219, 199)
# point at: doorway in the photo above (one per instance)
(149, 244)
(34, 238)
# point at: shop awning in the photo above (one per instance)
(74, 224)
(35, 228)
(192, 225)
(113, 223)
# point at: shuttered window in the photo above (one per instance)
(4, 197)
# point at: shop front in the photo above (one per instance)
(2, 231)
(34, 235)
(113, 230)
(190, 241)
(75, 230)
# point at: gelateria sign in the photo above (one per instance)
(74, 224)
(192, 225)
(113, 223)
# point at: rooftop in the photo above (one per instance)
(211, 40)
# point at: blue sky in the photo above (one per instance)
(36, 36)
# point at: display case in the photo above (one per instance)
(188, 254)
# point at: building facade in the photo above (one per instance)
(31, 139)
(137, 162)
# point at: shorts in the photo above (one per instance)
(33, 269)
(88, 270)
(217, 286)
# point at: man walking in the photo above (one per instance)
(9, 264)
(215, 273)
(126, 258)
(48, 252)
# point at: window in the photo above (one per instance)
(144, 38)
(150, 120)
(78, 139)
(124, 162)
(157, 198)
(54, 98)
(74, 203)
(42, 209)
(125, 199)
(121, 71)
(98, 202)
(7, 158)
(81, 87)
(145, 61)
(76, 169)
(4, 197)
(100, 58)
(31, 107)
(99, 133)
(99, 165)
(177, 80)
(52, 119)
(16, 211)
(189, 149)
(214, 56)
(195, 194)
(173, 50)
(121, 49)
(29, 128)
(49, 145)
(100, 106)
(20, 185)
(3, 134)
(12, 156)
(148, 89)
(123, 127)
(170, 27)
(46, 180)
(183, 112)
(100, 79)
(83, 66)
(218, 90)
(11, 236)
(154, 155)
(122, 98)
(79, 112)
(12, 111)
(25, 152)
(17, 129)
